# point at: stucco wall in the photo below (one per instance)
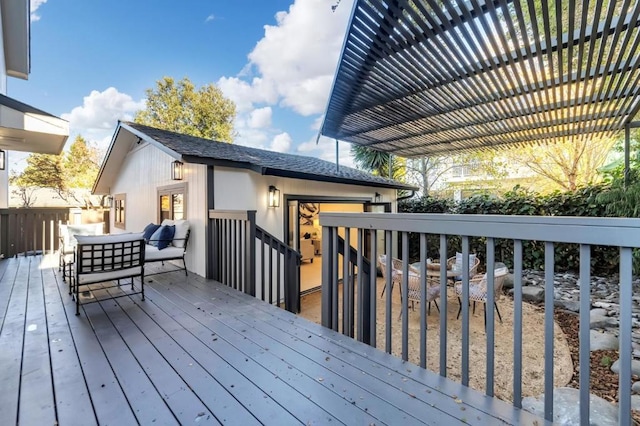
(237, 189)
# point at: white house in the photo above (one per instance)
(22, 127)
(138, 172)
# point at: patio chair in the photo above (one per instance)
(455, 262)
(478, 291)
(396, 271)
(68, 244)
(433, 291)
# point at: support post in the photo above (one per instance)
(627, 136)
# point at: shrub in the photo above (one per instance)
(584, 202)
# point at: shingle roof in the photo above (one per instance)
(205, 151)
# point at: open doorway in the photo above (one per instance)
(305, 234)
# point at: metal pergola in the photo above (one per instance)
(427, 77)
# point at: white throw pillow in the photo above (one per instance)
(182, 227)
(167, 222)
(458, 265)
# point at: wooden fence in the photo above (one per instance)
(26, 231)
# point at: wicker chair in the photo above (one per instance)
(433, 291)
(478, 291)
(396, 271)
(473, 267)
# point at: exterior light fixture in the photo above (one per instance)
(274, 196)
(3, 159)
(108, 201)
(176, 170)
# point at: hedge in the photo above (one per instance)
(582, 202)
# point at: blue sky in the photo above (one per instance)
(91, 62)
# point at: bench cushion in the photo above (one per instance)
(152, 253)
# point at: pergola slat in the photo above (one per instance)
(425, 77)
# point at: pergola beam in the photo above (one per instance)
(418, 76)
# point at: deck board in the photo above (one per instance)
(398, 387)
(36, 403)
(73, 403)
(11, 342)
(197, 352)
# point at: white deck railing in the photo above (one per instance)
(587, 232)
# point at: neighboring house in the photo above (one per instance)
(22, 127)
(137, 172)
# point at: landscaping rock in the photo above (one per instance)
(566, 408)
(598, 312)
(599, 321)
(508, 281)
(532, 294)
(635, 402)
(603, 341)
(635, 367)
(567, 305)
(636, 387)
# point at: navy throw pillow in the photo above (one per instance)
(148, 231)
(163, 236)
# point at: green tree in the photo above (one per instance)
(377, 162)
(179, 107)
(75, 169)
(44, 171)
(81, 164)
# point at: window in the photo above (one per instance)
(172, 200)
(119, 211)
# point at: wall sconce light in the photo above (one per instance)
(376, 197)
(274, 196)
(3, 156)
(108, 201)
(176, 170)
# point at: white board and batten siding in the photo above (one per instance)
(146, 169)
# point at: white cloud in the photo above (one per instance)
(295, 64)
(35, 4)
(325, 149)
(210, 18)
(281, 142)
(246, 94)
(97, 117)
(260, 118)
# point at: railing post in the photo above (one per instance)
(327, 278)
(250, 255)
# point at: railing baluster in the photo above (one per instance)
(465, 311)
(389, 287)
(270, 271)
(262, 267)
(335, 269)
(373, 292)
(517, 323)
(489, 315)
(443, 306)
(548, 329)
(405, 296)
(585, 306)
(362, 315)
(626, 314)
(423, 300)
(278, 274)
(326, 310)
(346, 302)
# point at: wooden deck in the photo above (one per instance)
(198, 352)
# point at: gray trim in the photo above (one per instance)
(580, 230)
(211, 251)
